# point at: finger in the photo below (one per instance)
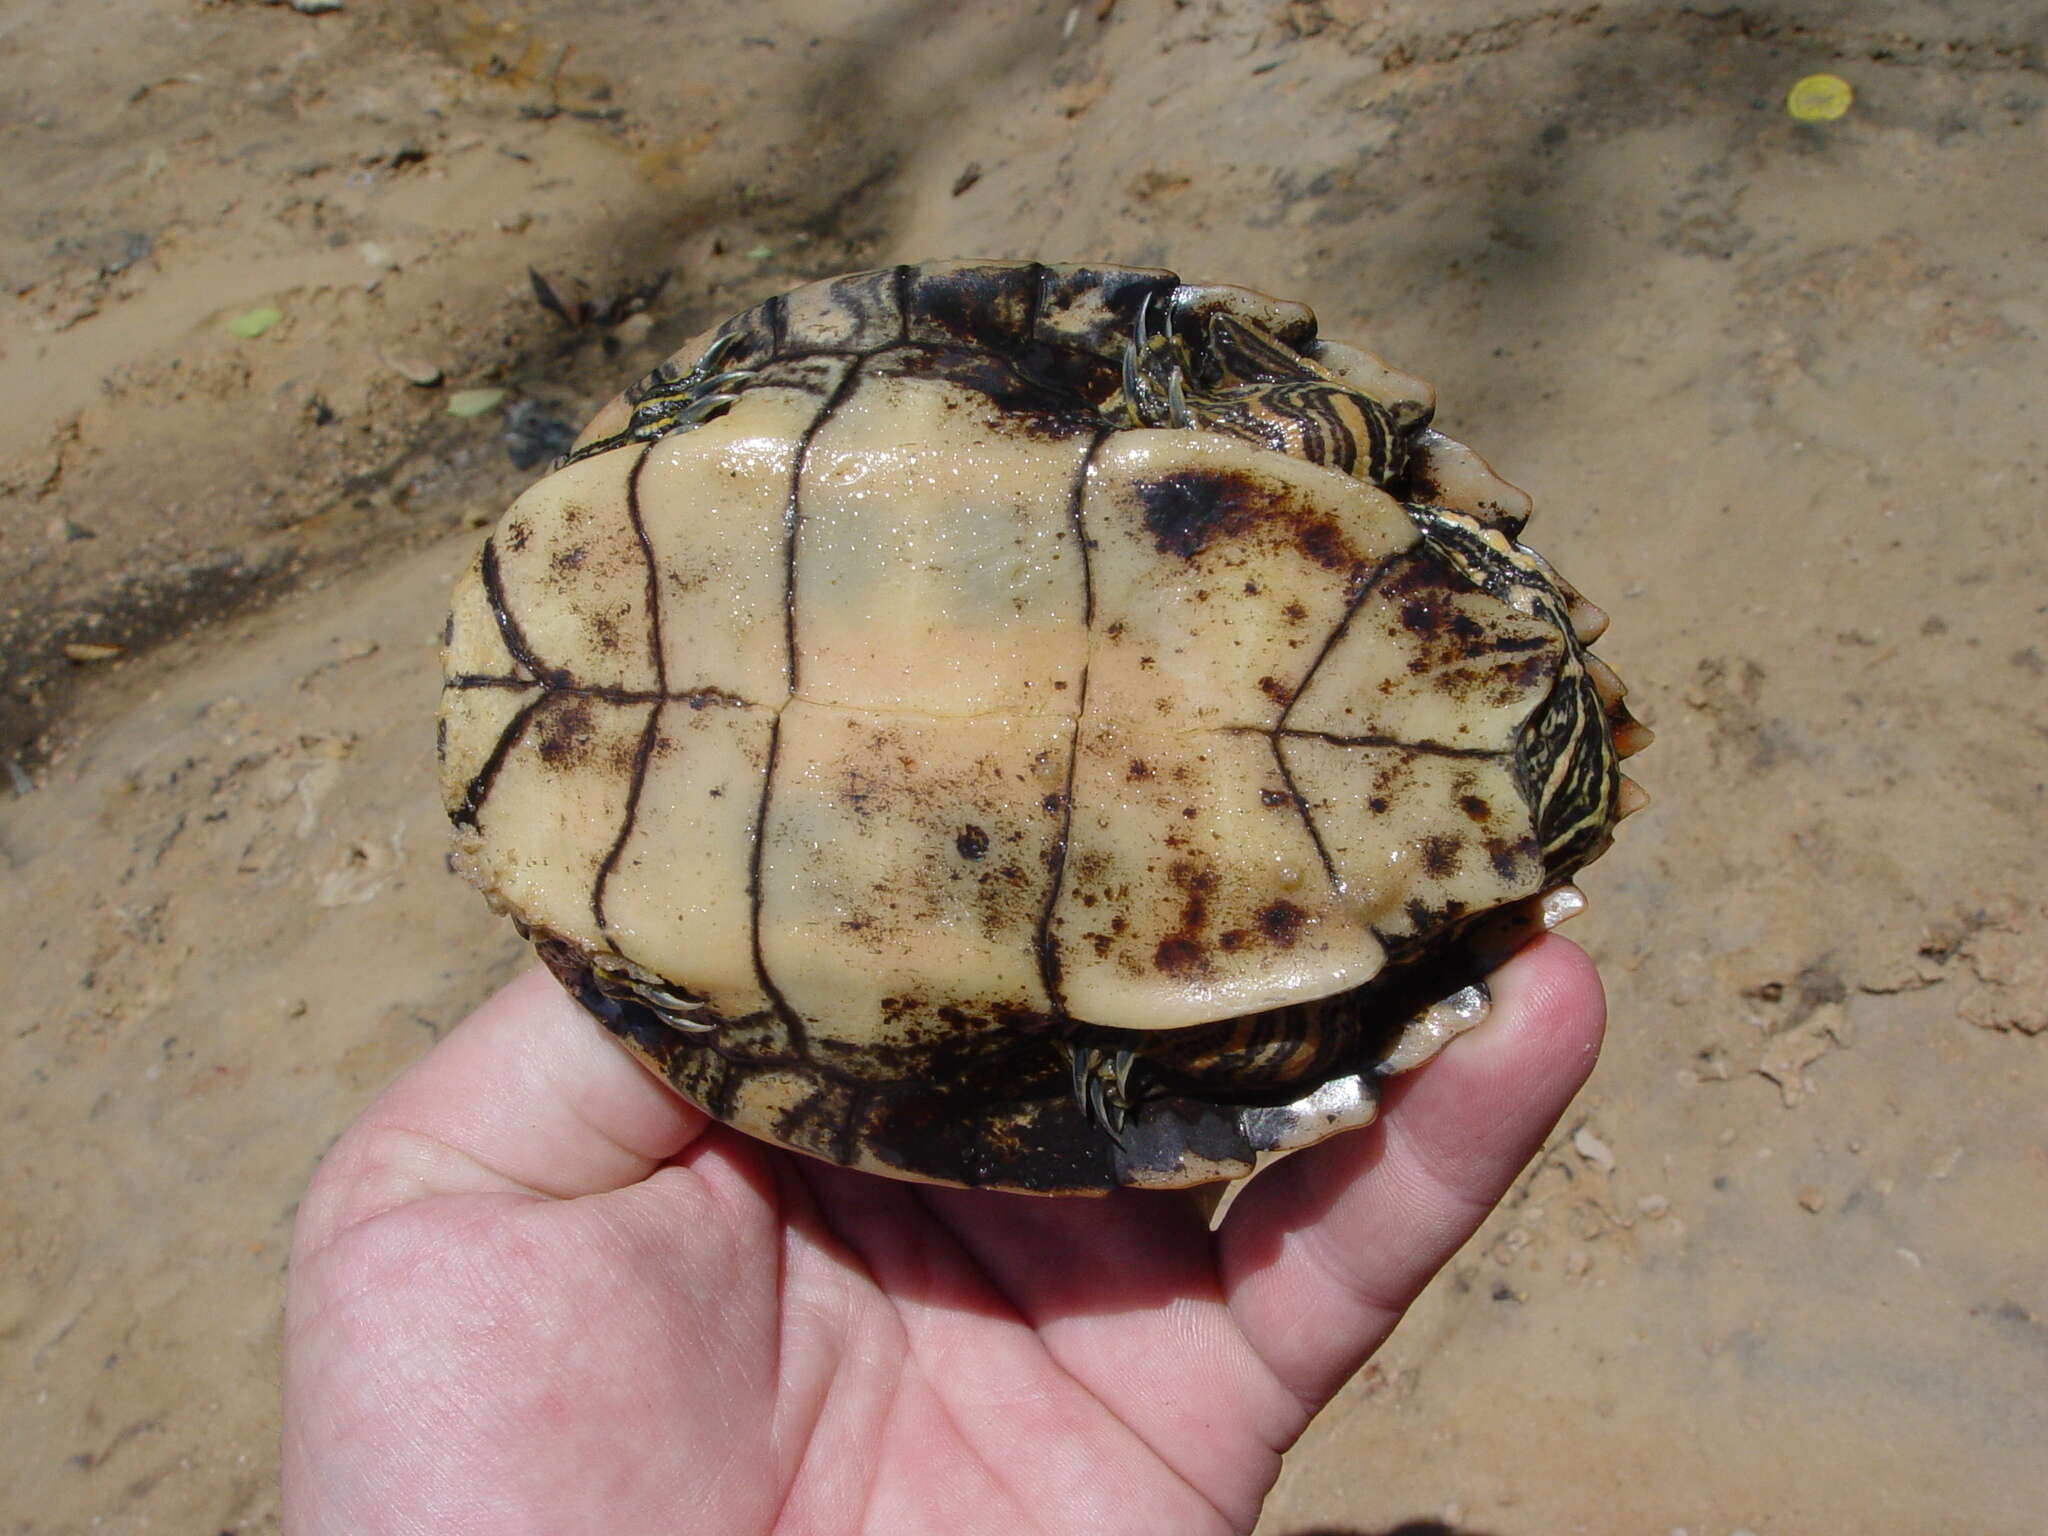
(1324, 1251)
(528, 1095)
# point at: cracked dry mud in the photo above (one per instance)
(1777, 391)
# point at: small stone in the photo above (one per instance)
(64, 531)
(91, 650)
(1811, 1199)
(417, 370)
(1576, 1263)
(314, 7)
(1593, 1149)
(1653, 1207)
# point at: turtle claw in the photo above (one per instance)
(707, 390)
(1102, 1083)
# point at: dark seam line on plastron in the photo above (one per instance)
(639, 522)
(793, 1025)
(644, 752)
(718, 1102)
(849, 1126)
(508, 627)
(1342, 628)
(792, 516)
(1077, 494)
(1315, 833)
(1036, 308)
(1048, 960)
(1424, 748)
(642, 755)
(903, 275)
(464, 815)
(696, 698)
(466, 680)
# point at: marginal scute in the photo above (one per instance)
(1408, 397)
(972, 303)
(856, 313)
(1445, 473)
(1092, 309)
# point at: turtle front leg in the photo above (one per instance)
(672, 402)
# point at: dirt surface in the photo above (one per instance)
(1777, 388)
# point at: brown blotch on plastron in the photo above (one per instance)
(1475, 808)
(1512, 857)
(1441, 855)
(1191, 510)
(972, 843)
(565, 734)
(1281, 922)
(1276, 690)
(1185, 950)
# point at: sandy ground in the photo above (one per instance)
(1777, 388)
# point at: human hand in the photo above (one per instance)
(533, 1291)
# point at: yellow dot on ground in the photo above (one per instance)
(1819, 98)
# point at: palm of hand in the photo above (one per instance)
(533, 1292)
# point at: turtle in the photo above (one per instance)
(1041, 727)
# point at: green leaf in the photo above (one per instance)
(473, 402)
(251, 323)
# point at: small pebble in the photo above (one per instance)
(1593, 1149)
(1812, 1199)
(91, 650)
(415, 369)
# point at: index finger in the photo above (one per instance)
(1325, 1250)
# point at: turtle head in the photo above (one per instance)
(1237, 378)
